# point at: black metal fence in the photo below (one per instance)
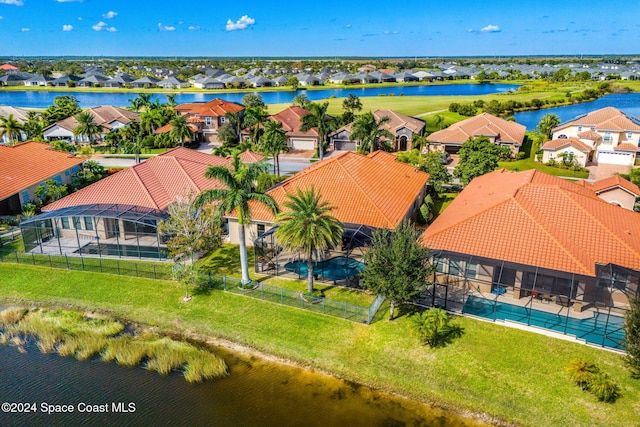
(162, 271)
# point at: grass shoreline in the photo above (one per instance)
(509, 375)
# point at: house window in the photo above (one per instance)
(223, 119)
(260, 229)
(88, 223)
(629, 136)
(25, 197)
(66, 173)
(455, 267)
(58, 179)
(440, 265)
(76, 222)
(472, 270)
(75, 169)
(607, 137)
(65, 222)
(207, 120)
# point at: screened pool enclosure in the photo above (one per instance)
(111, 230)
(589, 309)
(340, 265)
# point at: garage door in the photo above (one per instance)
(614, 158)
(302, 144)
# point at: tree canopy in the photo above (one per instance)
(547, 123)
(477, 157)
(63, 107)
(366, 129)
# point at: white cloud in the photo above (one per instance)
(79, 18)
(102, 26)
(110, 14)
(67, 27)
(25, 29)
(240, 24)
(193, 27)
(348, 26)
(13, 2)
(389, 33)
(490, 29)
(471, 30)
(166, 27)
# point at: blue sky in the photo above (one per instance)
(316, 28)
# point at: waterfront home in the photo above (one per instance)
(119, 80)
(615, 190)
(64, 81)
(145, 82)
(537, 247)
(208, 83)
(109, 118)
(499, 131)
(208, 117)
(119, 215)
(612, 136)
(403, 127)
(37, 80)
(24, 167)
(20, 115)
(172, 83)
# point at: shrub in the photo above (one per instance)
(632, 337)
(604, 388)
(581, 372)
(434, 327)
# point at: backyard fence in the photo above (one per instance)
(162, 271)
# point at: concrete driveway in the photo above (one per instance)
(598, 172)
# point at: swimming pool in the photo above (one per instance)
(336, 268)
(109, 249)
(601, 329)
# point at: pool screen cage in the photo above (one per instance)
(271, 259)
(110, 230)
(590, 308)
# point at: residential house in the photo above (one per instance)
(208, 83)
(351, 183)
(24, 167)
(403, 127)
(260, 81)
(119, 215)
(9, 68)
(64, 81)
(93, 80)
(291, 120)
(499, 131)
(172, 83)
(538, 247)
(615, 190)
(568, 150)
(37, 80)
(119, 80)
(109, 118)
(612, 136)
(145, 82)
(13, 79)
(208, 117)
(20, 115)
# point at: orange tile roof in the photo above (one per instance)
(536, 219)
(250, 157)
(607, 118)
(615, 181)
(589, 134)
(215, 108)
(8, 67)
(291, 119)
(625, 146)
(482, 124)
(167, 128)
(154, 183)
(30, 163)
(375, 190)
(558, 144)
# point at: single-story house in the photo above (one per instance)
(499, 131)
(613, 135)
(172, 83)
(541, 247)
(109, 118)
(19, 114)
(291, 119)
(568, 150)
(24, 167)
(119, 215)
(145, 82)
(402, 126)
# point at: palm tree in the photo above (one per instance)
(253, 119)
(239, 182)
(321, 121)
(180, 129)
(113, 140)
(134, 146)
(152, 120)
(236, 121)
(366, 129)
(34, 125)
(143, 100)
(86, 126)
(274, 142)
(547, 123)
(10, 127)
(171, 100)
(308, 226)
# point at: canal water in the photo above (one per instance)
(256, 393)
(42, 99)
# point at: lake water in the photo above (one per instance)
(42, 99)
(256, 393)
(627, 102)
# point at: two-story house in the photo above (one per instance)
(208, 117)
(610, 135)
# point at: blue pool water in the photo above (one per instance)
(595, 330)
(337, 268)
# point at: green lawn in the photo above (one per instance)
(441, 204)
(514, 375)
(526, 164)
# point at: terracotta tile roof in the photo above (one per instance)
(291, 119)
(615, 181)
(607, 118)
(154, 183)
(30, 163)
(625, 146)
(215, 108)
(589, 134)
(103, 116)
(558, 144)
(250, 157)
(375, 190)
(167, 128)
(536, 219)
(482, 124)
(8, 67)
